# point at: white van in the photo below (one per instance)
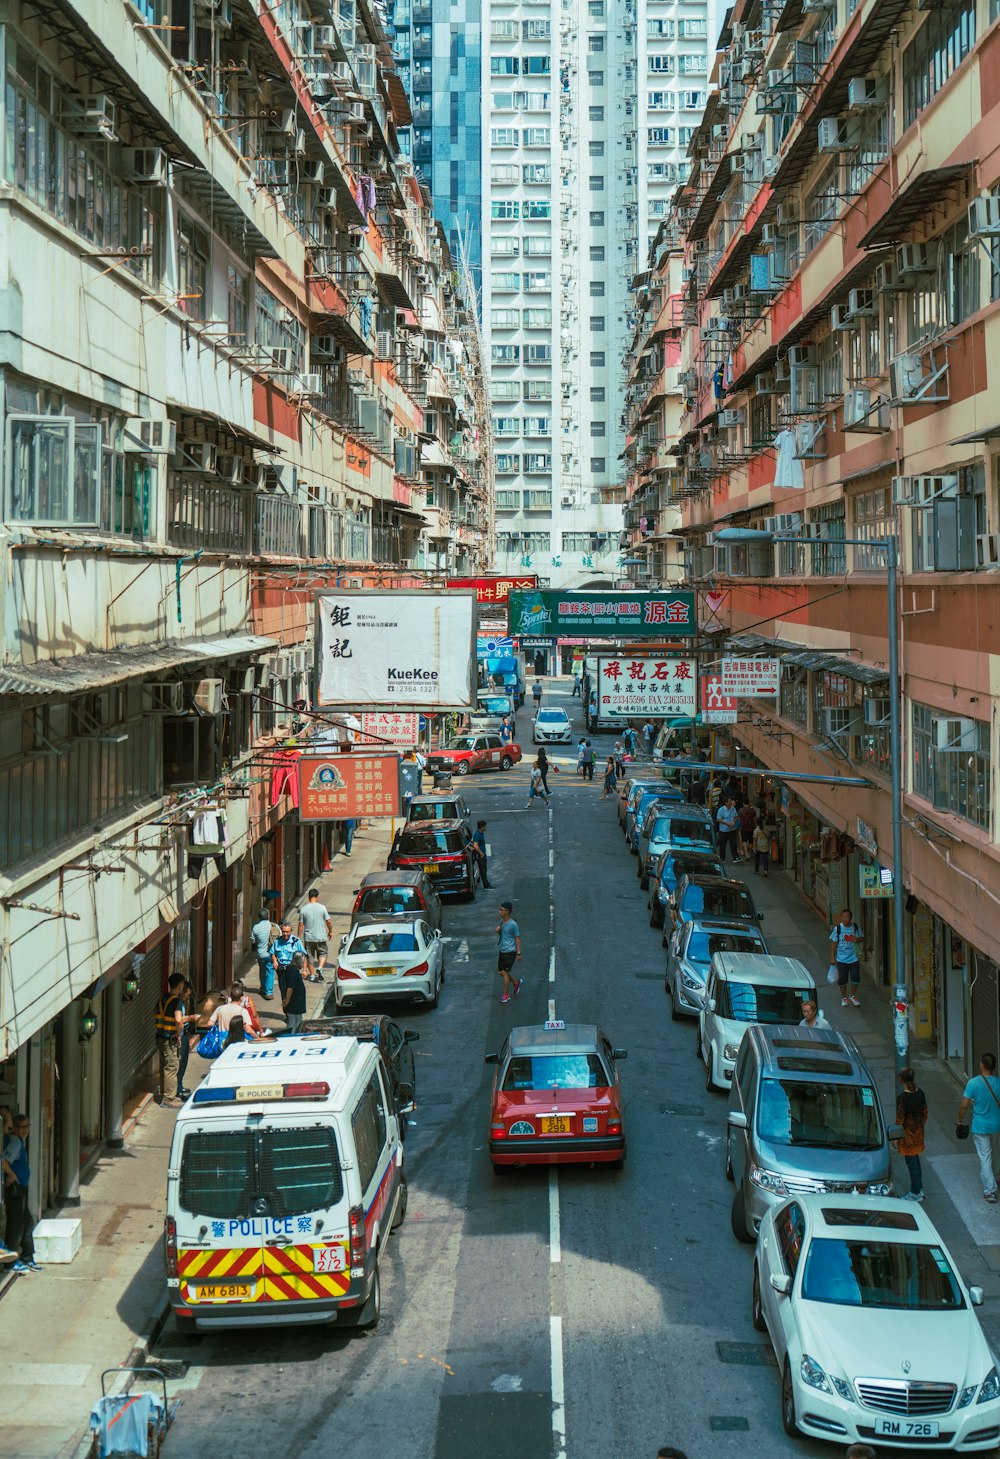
(285, 1179)
(744, 988)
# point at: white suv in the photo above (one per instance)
(744, 988)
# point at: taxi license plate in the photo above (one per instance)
(906, 1428)
(380, 972)
(225, 1291)
(555, 1124)
(430, 866)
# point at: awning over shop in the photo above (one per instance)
(82, 672)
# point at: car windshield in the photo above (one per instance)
(461, 742)
(556, 1071)
(494, 704)
(428, 843)
(675, 828)
(754, 1003)
(383, 942)
(864, 1273)
(732, 901)
(674, 867)
(389, 899)
(430, 810)
(551, 716)
(702, 945)
(814, 1112)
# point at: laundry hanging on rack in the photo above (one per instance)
(285, 776)
(788, 472)
(365, 315)
(207, 839)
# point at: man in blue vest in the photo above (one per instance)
(16, 1175)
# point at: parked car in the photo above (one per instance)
(465, 754)
(400, 893)
(551, 727)
(639, 804)
(440, 849)
(389, 959)
(698, 895)
(746, 988)
(557, 1098)
(690, 954)
(628, 788)
(448, 806)
(392, 1041)
(875, 1333)
(804, 1115)
(667, 873)
(668, 827)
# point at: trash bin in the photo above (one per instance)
(442, 779)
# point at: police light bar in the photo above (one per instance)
(259, 1093)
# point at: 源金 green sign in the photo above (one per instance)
(612, 615)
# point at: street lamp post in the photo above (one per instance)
(888, 547)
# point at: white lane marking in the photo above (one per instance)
(552, 858)
(552, 966)
(461, 953)
(555, 1234)
(558, 1386)
(552, 1010)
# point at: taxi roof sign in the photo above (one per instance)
(553, 1023)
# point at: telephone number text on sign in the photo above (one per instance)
(660, 686)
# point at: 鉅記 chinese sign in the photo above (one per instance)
(608, 615)
(390, 729)
(751, 678)
(635, 688)
(395, 649)
(334, 787)
(716, 707)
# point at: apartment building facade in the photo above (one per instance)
(842, 242)
(226, 310)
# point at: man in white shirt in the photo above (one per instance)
(316, 929)
(811, 1016)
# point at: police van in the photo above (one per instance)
(285, 1179)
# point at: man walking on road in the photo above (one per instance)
(536, 694)
(588, 758)
(16, 1177)
(982, 1098)
(509, 951)
(845, 938)
(260, 940)
(284, 949)
(316, 925)
(294, 1001)
(482, 856)
(728, 821)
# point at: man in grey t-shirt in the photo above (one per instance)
(315, 929)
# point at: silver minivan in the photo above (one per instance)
(804, 1115)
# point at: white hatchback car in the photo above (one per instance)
(399, 958)
(551, 727)
(873, 1329)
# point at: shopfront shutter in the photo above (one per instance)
(985, 1009)
(138, 1030)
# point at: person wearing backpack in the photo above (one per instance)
(589, 757)
(982, 1097)
(845, 938)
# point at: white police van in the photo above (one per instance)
(285, 1179)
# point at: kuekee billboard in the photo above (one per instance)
(397, 649)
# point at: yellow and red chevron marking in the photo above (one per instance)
(229, 1262)
(287, 1273)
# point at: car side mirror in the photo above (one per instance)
(896, 1132)
(619, 1053)
(404, 1095)
(437, 932)
(410, 1035)
(736, 1119)
(781, 1284)
(976, 1296)
(492, 1059)
(711, 1005)
(760, 916)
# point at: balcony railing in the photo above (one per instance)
(277, 526)
(206, 514)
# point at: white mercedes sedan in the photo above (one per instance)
(381, 959)
(875, 1332)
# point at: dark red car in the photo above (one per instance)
(442, 850)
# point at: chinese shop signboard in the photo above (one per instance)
(390, 729)
(716, 707)
(395, 650)
(608, 615)
(874, 881)
(751, 678)
(659, 688)
(335, 787)
(495, 590)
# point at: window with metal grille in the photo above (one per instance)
(300, 1169)
(217, 1173)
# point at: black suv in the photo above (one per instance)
(440, 849)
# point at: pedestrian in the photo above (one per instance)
(17, 1176)
(508, 951)
(190, 1016)
(170, 1027)
(728, 821)
(316, 927)
(845, 938)
(285, 948)
(579, 760)
(698, 791)
(482, 852)
(618, 755)
(239, 1005)
(293, 1002)
(609, 778)
(261, 938)
(982, 1097)
(811, 1015)
(237, 1033)
(748, 820)
(348, 826)
(589, 760)
(648, 735)
(576, 686)
(536, 694)
(506, 732)
(714, 795)
(911, 1113)
(543, 765)
(761, 843)
(537, 786)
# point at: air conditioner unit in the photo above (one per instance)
(903, 491)
(88, 116)
(163, 698)
(839, 720)
(325, 38)
(984, 217)
(857, 405)
(145, 166)
(281, 360)
(230, 468)
(313, 171)
(208, 696)
(834, 134)
(711, 326)
(326, 197)
(150, 437)
(786, 213)
(287, 124)
(865, 91)
(958, 734)
(769, 235)
(886, 279)
(730, 419)
(906, 376)
(914, 259)
(737, 163)
(308, 385)
(840, 317)
(801, 354)
(281, 666)
(861, 303)
(383, 344)
(299, 143)
(876, 711)
(782, 371)
(197, 456)
(988, 550)
(324, 347)
(763, 384)
(777, 80)
(816, 7)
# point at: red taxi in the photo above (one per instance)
(557, 1098)
(464, 754)
(442, 850)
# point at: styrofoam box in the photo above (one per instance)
(57, 1241)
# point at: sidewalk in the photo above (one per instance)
(954, 1196)
(109, 1303)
